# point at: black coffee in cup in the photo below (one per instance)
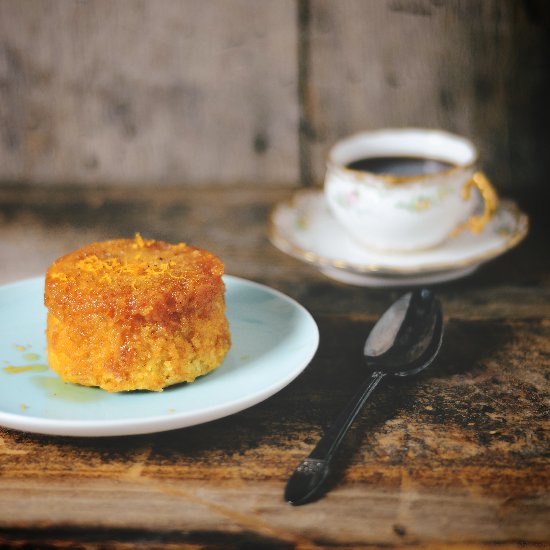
(400, 166)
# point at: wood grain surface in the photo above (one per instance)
(456, 457)
(231, 92)
(188, 121)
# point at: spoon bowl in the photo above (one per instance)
(431, 351)
(403, 337)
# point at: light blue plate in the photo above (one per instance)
(273, 340)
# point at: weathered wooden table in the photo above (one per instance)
(457, 456)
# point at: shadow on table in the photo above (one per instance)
(468, 345)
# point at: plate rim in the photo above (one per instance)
(169, 421)
(283, 243)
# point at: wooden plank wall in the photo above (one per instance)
(246, 91)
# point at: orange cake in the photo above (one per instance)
(135, 314)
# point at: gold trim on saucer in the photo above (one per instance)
(285, 245)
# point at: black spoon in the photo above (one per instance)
(404, 341)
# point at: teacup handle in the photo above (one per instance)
(490, 201)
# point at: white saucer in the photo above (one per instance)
(304, 228)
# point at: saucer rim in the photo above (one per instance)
(314, 258)
(380, 281)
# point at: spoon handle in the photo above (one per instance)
(306, 482)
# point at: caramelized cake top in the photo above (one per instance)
(126, 278)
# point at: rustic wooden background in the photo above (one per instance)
(240, 91)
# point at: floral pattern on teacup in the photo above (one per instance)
(348, 199)
(425, 201)
(357, 199)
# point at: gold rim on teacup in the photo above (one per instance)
(361, 175)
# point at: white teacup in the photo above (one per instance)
(401, 207)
